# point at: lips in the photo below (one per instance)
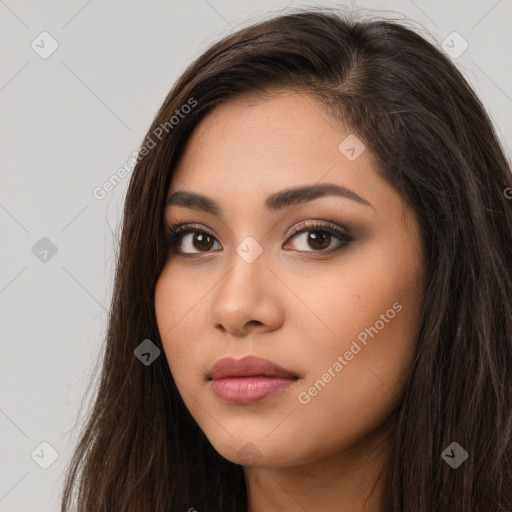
(249, 366)
(248, 380)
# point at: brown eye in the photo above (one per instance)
(319, 237)
(202, 241)
(190, 240)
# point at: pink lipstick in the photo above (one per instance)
(248, 380)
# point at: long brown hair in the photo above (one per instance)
(140, 449)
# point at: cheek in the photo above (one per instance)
(175, 301)
(374, 285)
(356, 375)
(370, 312)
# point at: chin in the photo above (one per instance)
(262, 454)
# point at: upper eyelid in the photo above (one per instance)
(186, 228)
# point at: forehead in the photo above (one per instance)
(274, 134)
(281, 129)
(250, 147)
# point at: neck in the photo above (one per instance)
(348, 481)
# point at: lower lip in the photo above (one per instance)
(248, 390)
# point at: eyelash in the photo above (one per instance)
(177, 231)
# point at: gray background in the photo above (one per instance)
(68, 122)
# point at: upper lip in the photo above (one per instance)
(248, 366)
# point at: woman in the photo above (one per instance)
(244, 372)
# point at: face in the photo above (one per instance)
(328, 284)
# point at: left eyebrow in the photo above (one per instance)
(274, 202)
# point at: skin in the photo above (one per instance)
(294, 305)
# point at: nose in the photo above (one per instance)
(247, 298)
